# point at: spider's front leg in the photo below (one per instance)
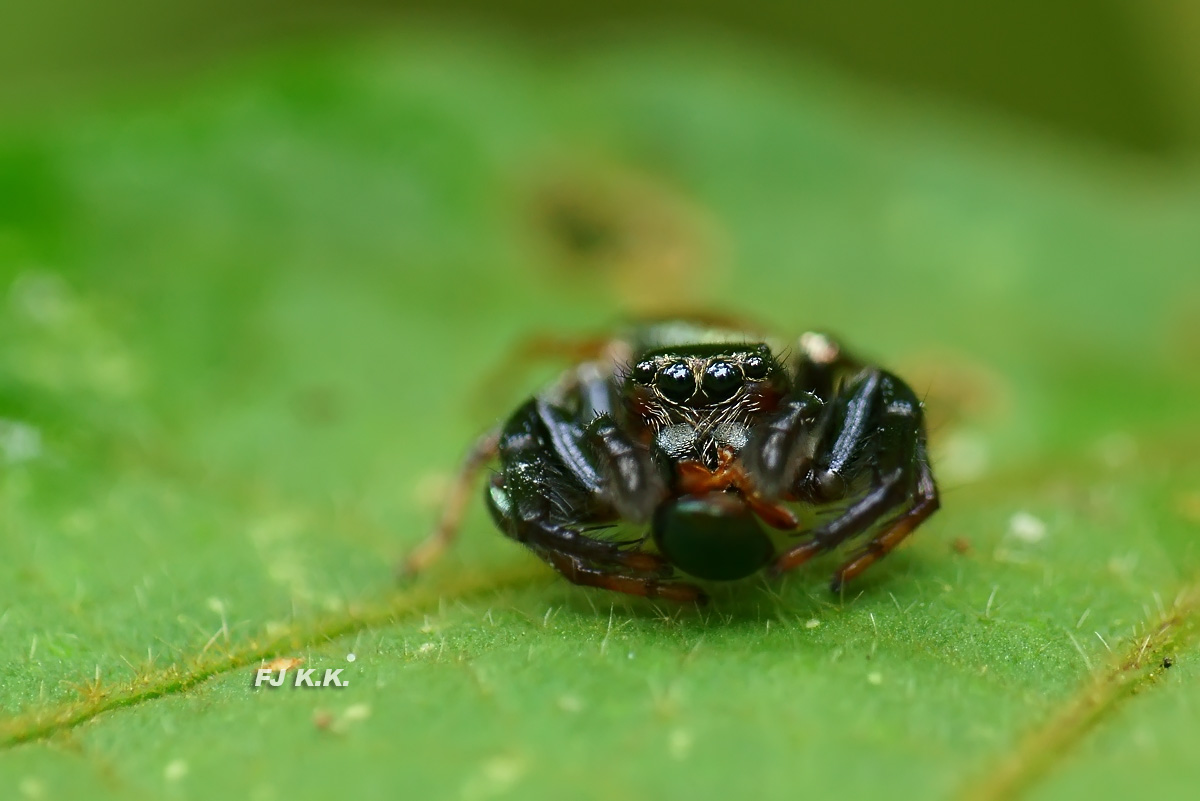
(560, 477)
(871, 446)
(866, 440)
(781, 451)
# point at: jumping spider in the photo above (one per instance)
(704, 439)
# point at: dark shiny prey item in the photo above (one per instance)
(706, 442)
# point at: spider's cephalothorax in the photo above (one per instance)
(709, 440)
(697, 399)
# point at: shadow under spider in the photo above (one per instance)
(752, 601)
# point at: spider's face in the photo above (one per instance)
(703, 376)
(696, 396)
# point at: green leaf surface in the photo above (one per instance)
(250, 326)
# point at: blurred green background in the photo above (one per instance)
(1118, 72)
(258, 265)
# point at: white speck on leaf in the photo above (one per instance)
(175, 770)
(812, 624)
(1027, 528)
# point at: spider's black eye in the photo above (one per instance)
(721, 381)
(756, 367)
(676, 382)
(643, 372)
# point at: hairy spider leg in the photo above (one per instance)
(560, 475)
(875, 432)
(927, 502)
(577, 571)
(782, 450)
(432, 547)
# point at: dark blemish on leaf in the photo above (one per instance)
(587, 233)
(637, 237)
(961, 546)
(1167, 662)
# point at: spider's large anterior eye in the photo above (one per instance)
(676, 382)
(756, 367)
(644, 372)
(721, 381)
